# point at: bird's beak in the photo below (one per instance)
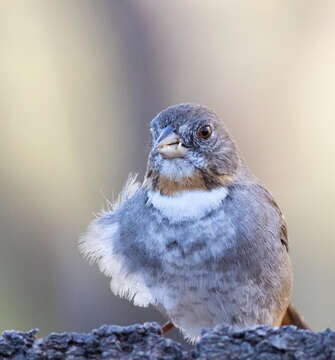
(169, 144)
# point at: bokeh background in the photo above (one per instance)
(79, 83)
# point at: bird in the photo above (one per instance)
(200, 238)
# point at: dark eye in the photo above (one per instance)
(205, 132)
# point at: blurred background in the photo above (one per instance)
(79, 83)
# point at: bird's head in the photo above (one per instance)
(191, 149)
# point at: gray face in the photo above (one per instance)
(190, 137)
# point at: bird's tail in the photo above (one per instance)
(292, 317)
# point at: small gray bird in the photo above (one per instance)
(200, 239)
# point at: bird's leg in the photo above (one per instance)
(167, 327)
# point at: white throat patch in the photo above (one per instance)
(193, 204)
(176, 169)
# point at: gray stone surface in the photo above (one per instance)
(145, 342)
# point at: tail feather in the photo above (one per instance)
(292, 317)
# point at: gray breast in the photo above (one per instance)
(229, 267)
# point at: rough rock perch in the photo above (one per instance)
(145, 342)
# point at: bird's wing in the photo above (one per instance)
(283, 225)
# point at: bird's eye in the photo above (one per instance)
(205, 132)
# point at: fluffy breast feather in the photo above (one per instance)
(98, 246)
(155, 257)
